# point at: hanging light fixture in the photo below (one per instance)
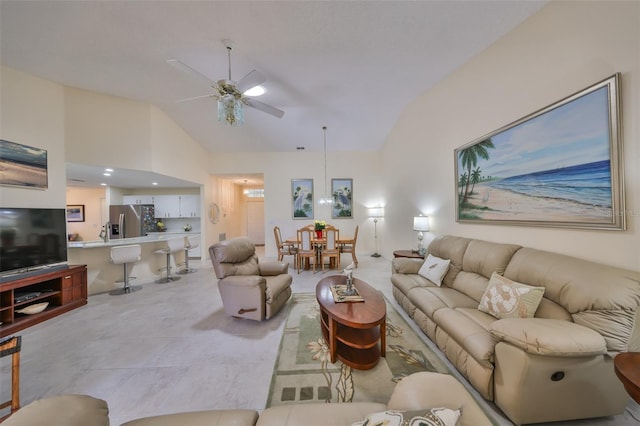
(230, 105)
(326, 198)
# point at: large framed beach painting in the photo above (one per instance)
(302, 198)
(558, 167)
(342, 193)
(22, 165)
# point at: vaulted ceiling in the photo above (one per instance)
(350, 65)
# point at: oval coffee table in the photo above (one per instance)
(353, 329)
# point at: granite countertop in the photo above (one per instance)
(151, 238)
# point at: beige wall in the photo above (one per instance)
(564, 48)
(280, 168)
(32, 113)
(94, 202)
(84, 127)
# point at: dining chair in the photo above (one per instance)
(285, 249)
(349, 246)
(331, 247)
(306, 249)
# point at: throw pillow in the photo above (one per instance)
(504, 298)
(425, 417)
(434, 269)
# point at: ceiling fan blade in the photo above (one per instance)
(196, 97)
(250, 80)
(264, 107)
(187, 69)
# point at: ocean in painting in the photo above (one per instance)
(588, 183)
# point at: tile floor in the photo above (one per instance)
(170, 348)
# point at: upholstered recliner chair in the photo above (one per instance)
(249, 289)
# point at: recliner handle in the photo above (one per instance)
(244, 311)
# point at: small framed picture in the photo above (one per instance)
(75, 213)
(342, 193)
(302, 198)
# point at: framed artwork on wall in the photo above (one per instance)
(342, 193)
(302, 198)
(23, 165)
(75, 213)
(558, 167)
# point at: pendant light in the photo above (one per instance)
(326, 198)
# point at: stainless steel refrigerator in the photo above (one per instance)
(131, 220)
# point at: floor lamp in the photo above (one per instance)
(375, 213)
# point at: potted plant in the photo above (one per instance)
(319, 226)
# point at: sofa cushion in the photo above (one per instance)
(434, 269)
(549, 337)
(427, 416)
(452, 248)
(200, 418)
(504, 298)
(485, 257)
(407, 282)
(318, 414)
(68, 410)
(430, 299)
(469, 332)
(437, 390)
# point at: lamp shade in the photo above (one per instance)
(421, 223)
(376, 212)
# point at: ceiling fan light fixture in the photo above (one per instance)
(231, 110)
(255, 91)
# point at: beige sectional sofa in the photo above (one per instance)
(556, 365)
(415, 392)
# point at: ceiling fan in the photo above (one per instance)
(231, 95)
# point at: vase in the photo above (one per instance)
(319, 234)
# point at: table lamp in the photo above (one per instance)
(375, 213)
(421, 224)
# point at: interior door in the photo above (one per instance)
(255, 222)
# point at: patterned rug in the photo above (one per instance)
(304, 373)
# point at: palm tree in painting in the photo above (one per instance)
(476, 175)
(461, 183)
(469, 158)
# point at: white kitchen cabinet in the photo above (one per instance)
(189, 206)
(167, 206)
(137, 199)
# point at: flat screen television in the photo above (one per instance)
(31, 239)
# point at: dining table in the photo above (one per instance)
(318, 244)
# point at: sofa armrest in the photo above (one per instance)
(406, 265)
(273, 268)
(69, 410)
(433, 390)
(551, 337)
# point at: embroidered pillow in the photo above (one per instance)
(434, 269)
(425, 417)
(504, 298)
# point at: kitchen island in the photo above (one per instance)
(102, 275)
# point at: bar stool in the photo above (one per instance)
(11, 346)
(190, 243)
(174, 245)
(123, 255)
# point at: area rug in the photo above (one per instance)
(304, 373)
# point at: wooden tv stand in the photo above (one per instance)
(65, 289)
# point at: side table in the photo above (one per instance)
(408, 253)
(627, 368)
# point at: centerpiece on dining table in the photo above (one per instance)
(319, 226)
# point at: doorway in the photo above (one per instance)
(255, 222)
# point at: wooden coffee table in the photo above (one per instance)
(353, 329)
